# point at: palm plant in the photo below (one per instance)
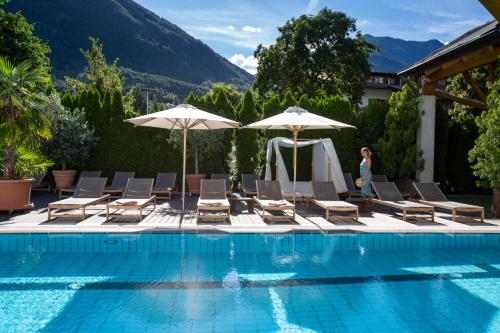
(22, 123)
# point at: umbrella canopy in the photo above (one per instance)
(296, 119)
(184, 117)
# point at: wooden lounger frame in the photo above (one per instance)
(329, 209)
(139, 207)
(271, 208)
(55, 205)
(405, 210)
(206, 194)
(455, 210)
(211, 208)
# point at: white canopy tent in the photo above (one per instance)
(325, 166)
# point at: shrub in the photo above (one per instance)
(72, 138)
(398, 147)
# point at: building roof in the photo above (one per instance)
(476, 38)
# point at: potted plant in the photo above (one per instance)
(22, 127)
(486, 150)
(72, 139)
(201, 145)
(398, 147)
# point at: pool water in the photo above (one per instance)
(249, 283)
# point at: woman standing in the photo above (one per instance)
(365, 173)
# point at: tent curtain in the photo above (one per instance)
(326, 164)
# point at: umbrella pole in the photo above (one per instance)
(294, 163)
(184, 168)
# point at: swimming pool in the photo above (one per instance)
(249, 283)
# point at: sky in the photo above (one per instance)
(233, 28)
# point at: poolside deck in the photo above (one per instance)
(168, 217)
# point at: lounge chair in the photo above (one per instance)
(352, 191)
(389, 195)
(379, 178)
(137, 196)
(119, 183)
(164, 185)
(223, 176)
(431, 195)
(270, 199)
(38, 184)
(325, 196)
(87, 193)
(248, 186)
(68, 191)
(213, 198)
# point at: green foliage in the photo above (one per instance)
(72, 138)
(22, 124)
(486, 150)
(18, 43)
(30, 163)
(316, 54)
(247, 140)
(370, 122)
(99, 74)
(223, 107)
(398, 148)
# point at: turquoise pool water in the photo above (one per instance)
(249, 283)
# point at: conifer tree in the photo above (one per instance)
(247, 147)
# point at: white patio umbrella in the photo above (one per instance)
(184, 117)
(296, 119)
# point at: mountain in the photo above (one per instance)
(144, 42)
(396, 54)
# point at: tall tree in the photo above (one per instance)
(313, 54)
(398, 147)
(18, 43)
(247, 145)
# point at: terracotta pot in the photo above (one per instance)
(495, 205)
(15, 194)
(64, 178)
(193, 182)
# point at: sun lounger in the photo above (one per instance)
(164, 185)
(248, 186)
(223, 176)
(270, 199)
(68, 191)
(379, 178)
(119, 183)
(352, 191)
(431, 195)
(137, 196)
(325, 196)
(88, 193)
(213, 199)
(39, 185)
(389, 195)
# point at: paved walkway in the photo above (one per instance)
(168, 217)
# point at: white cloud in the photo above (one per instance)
(311, 6)
(230, 28)
(248, 28)
(247, 63)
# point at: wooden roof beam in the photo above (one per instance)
(473, 60)
(493, 6)
(477, 89)
(465, 101)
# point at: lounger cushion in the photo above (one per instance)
(223, 203)
(122, 202)
(450, 204)
(75, 201)
(402, 204)
(275, 203)
(334, 204)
